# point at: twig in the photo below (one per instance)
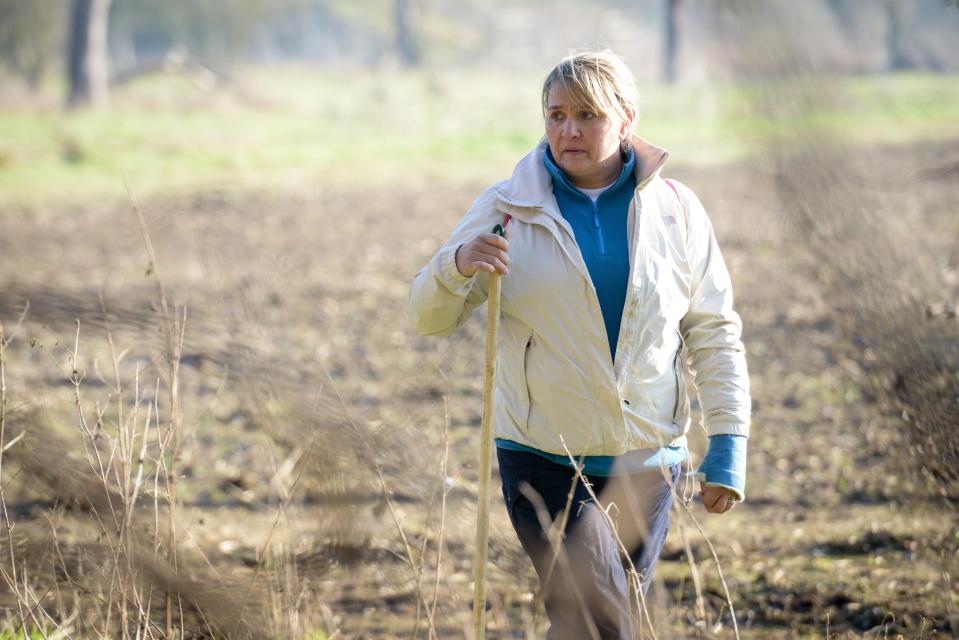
(419, 570)
(12, 579)
(694, 573)
(152, 267)
(384, 488)
(281, 511)
(542, 515)
(719, 569)
(446, 490)
(559, 529)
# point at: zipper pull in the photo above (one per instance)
(600, 240)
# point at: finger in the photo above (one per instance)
(710, 492)
(715, 500)
(492, 264)
(731, 500)
(500, 266)
(495, 240)
(483, 266)
(491, 252)
(493, 256)
(725, 501)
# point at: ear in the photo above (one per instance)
(627, 124)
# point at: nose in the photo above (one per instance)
(570, 129)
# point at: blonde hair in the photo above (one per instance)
(596, 80)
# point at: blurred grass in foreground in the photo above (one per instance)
(290, 127)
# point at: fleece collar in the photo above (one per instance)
(560, 179)
(532, 186)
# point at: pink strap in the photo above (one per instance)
(673, 187)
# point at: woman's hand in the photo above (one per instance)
(485, 252)
(716, 498)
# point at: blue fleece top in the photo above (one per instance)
(601, 233)
(600, 229)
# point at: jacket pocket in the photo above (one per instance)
(525, 377)
(513, 474)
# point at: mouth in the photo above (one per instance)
(573, 151)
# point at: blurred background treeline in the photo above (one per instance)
(138, 36)
(287, 91)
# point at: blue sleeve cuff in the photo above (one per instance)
(725, 463)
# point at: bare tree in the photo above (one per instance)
(899, 59)
(673, 28)
(405, 41)
(87, 68)
(31, 37)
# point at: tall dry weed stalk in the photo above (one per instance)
(9, 574)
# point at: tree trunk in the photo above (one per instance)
(405, 42)
(671, 40)
(898, 59)
(87, 68)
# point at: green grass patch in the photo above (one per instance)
(32, 635)
(292, 127)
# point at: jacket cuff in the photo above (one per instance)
(450, 275)
(727, 429)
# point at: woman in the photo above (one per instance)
(610, 272)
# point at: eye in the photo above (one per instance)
(556, 116)
(587, 115)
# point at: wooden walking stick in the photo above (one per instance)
(486, 452)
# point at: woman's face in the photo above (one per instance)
(584, 144)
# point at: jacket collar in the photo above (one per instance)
(532, 186)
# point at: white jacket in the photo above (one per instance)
(554, 373)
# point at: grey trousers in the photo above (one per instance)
(585, 587)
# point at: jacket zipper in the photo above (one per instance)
(600, 239)
(633, 297)
(676, 374)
